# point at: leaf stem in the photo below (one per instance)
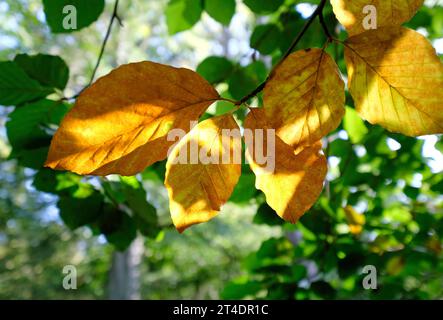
(317, 13)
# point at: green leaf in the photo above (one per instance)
(266, 215)
(246, 79)
(263, 6)
(245, 189)
(117, 226)
(221, 10)
(82, 209)
(182, 15)
(56, 182)
(354, 125)
(50, 71)
(144, 214)
(59, 14)
(215, 69)
(266, 38)
(27, 131)
(240, 289)
(16, 87)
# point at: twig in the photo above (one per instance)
(318, 12)
(105, 41)
(114, 17)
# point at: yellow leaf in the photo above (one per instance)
(395, 265)
(352, 13)
(305, 97)
(355, 220)
(120, 124)
(197, 188)
(396, 80)
(297, 181)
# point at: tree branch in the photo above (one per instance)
(105, 41)
(318, 12)
(114, 17)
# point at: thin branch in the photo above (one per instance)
(324, 25)
(105, 41)
(114, 17)
(318, 12)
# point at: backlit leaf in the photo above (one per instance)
(354, 125)
(297, 181)
(182, 15)
(197, 191)
(304, 99)
(352, 13)
(120, 124)
(396, 80)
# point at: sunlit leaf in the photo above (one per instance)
(182, 15)
(197, 191)
(352, 13)
(304, 99)
(120, 124)
(393, 85)
(297, 181)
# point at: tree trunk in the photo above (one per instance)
(124, 275)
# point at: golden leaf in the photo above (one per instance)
(396, 80)
(304, 99)
(120, 124)
(355, 220)
(197, 189)
(297, 181)
(352, 13)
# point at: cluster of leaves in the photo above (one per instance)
(33, 84)
(120, 124)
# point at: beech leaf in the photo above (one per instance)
(120, 124)
(297, 181)
(304, 99)
(197, 190)
(396, 80)
(352, 13)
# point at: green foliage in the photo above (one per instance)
(81, 208)
(50, 71)
(263, 6)
(221, 10)
(245, 79)
(28, 130)
(215, 69)
(266, 38)
(16, 87)
(182, 15)
(354, 125)
(87, 12)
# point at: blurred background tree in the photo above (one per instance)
(382, 204)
